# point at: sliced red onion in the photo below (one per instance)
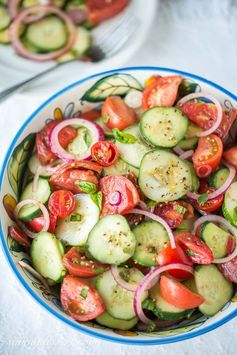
(178, 150)
(161, 221)
(36, 178)
(222, 189)
(218, 106)
(207, 170)
(78, 16)
(143, 205)
(23, 15)
(148, 281)
(34, 273)
(133, 98)
(229, 227)
(115, 198)
(44, 211)
(96, 135)
(187, 154)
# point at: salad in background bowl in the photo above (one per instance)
(118, 205)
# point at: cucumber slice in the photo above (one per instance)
(229, 207)
(192, 130)
(83, 41)
(115, 84)
(5, 19)
(5, 36)
(76, 232)
(34, 163)
(108, 133)
(108, 321)
(188, 143)
(48, 34)
(117, 300)
(162, 309)
(120, 168)
(164, 177)
(195, 179)
(216, 238)
(151, 237)
(46, 255)
(111, 240)
(81, 143)
(164, 126)
(191, 285)
(218, 178)
(215, 289)
(42, 193)
(133, 153)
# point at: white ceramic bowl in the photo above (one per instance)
(67, 102)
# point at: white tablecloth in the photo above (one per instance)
(188, 35)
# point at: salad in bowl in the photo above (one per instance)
(119, 205)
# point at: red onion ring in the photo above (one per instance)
(143, 205)
(200, 168)
(44, 211)
(187, 154)
(15, 29)
(218, 106)
(95, 130)
(78, 16)
(148, 280)
(115, 198)
(222, 221)
(161, 221)
(13, 10)
(221, 190)
(178, 150)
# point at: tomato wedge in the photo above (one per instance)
(170, 213)
(61, 203)
(118, 114)
(119, 195)
(208, 155)
(19, 236)
(230, 156)
(161, 92)
(80, 300)
(38, 223)
(79, 265)
(178, 295)
(101, 10)
(195, 248)
(227, 121)
(167, 255)
(66, 135)
(210, 205)
(104, 153)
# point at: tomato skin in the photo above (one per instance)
(208, 206)
(209, 152)
(119, 114)
(104, 153)
(167, 255)
(230, 155)
(66, 135)
(161, 92)
(19, 236)
(38, 223)
(91, 115)
(195, 248)
(227, 121)
(79, 265)
(101, 10)
(129, 196)
(61, 203)
(168, 212)
(178, 295)
(79, 308)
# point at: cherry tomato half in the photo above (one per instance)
(118, 113)
(61, 203)
(80, 300)
(178, 295)
(208, 155)
(79, 265)
(169, 213)
(19, 236)
(104, 153)
(210, 205)
(161, 92)
(230, 155)
(167, 255)
(101, 10)
(195, 248)
(38, 223)
(119, 195)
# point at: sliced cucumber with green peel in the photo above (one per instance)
(163, 126)
(76, 232)
(34, 163)
(120, 168)
(151, 237)
(218, 178)
(190, 284)
(5, 19)
(107, 132)
(188, 143)
(195, 179)
(47, 34)
(214, 288)
(164, 177)
(133, 153)
(108, 321)
(229, 207)
(216, 238)
(46, 255)
(111, 240)
(83, 41)
(117, 300)
(41, 194)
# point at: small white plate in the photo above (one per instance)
(14, 68)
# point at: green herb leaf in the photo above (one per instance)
(75, 218)
(105, 118)
(99, 270)
(180, 209)
(97, 199)
(190, 252)
(202, 199)
(123, 137)
(87, 187)
(151, 327)
(151, 203)
(84, 292)
(124, 274)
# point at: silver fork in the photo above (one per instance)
(108, 39)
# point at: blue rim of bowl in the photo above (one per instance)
(123, 340)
